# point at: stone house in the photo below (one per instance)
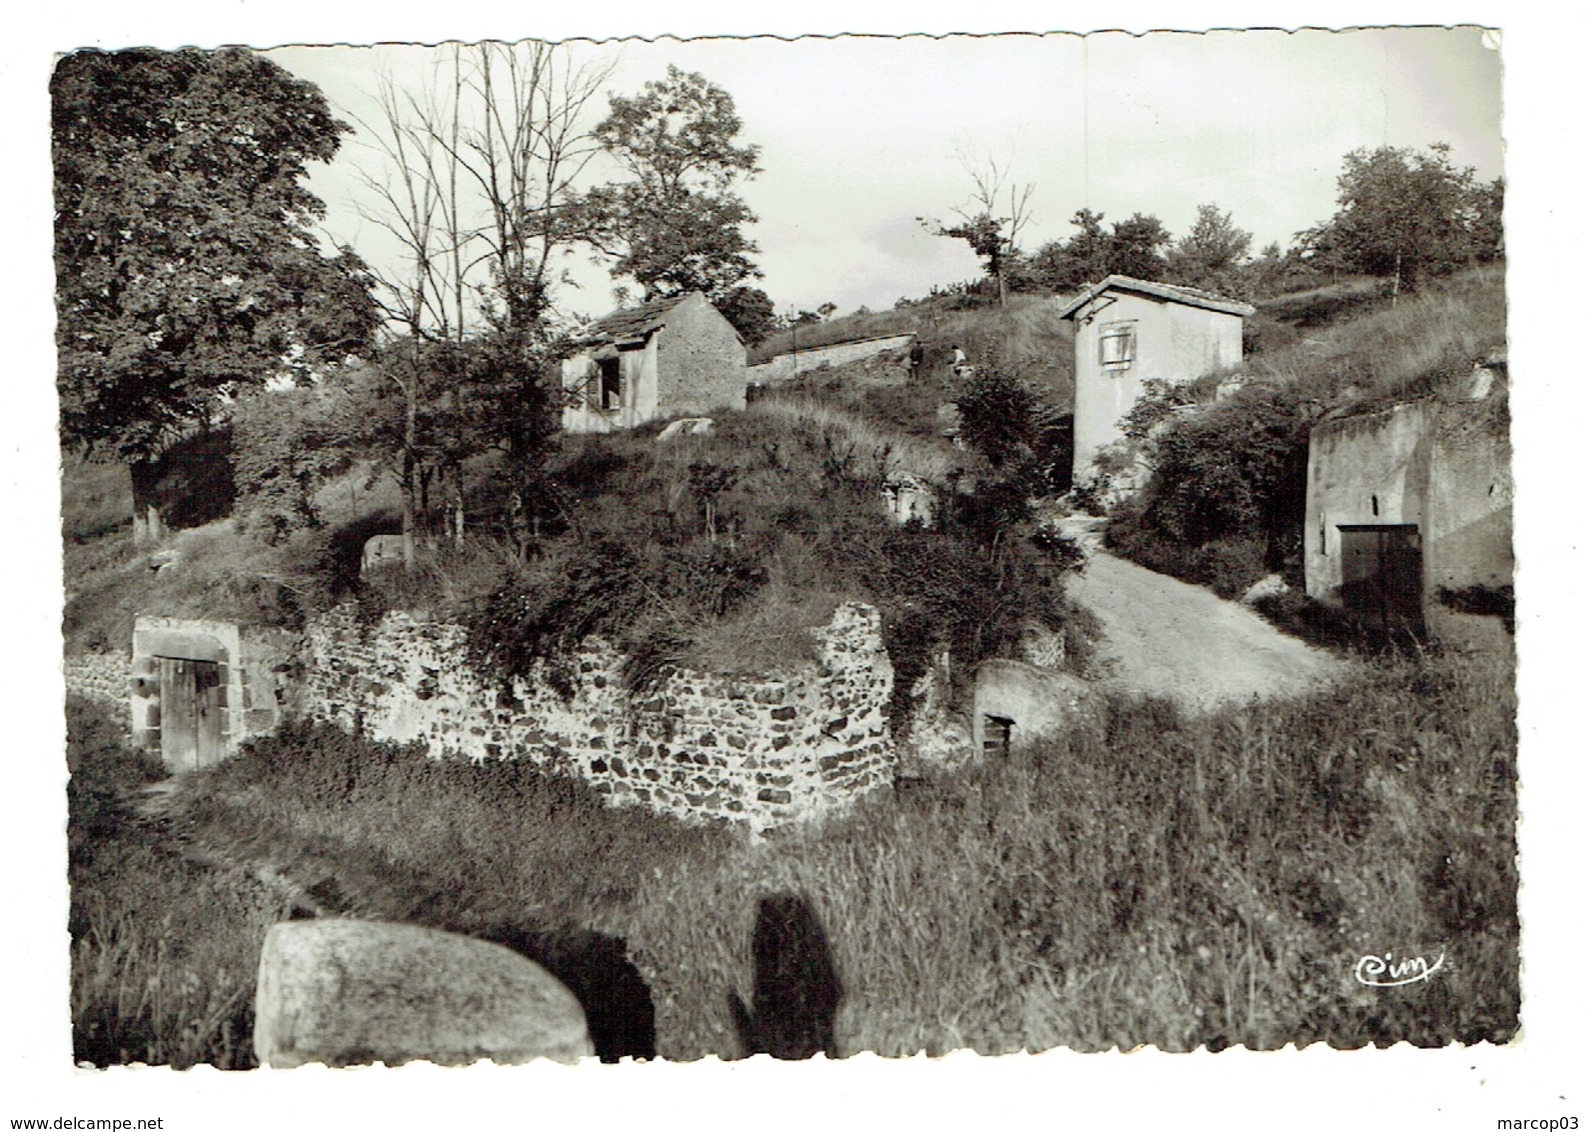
(673, 357)
(1409, 508)
(1129, 331)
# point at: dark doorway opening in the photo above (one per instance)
(997, 735)
(1381, 575)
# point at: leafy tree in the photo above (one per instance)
(676, 224)
(1135, 247)
(285, 443)
(751, 312)
(1405, 215)
(185, 265)
(1211, 256)
(1082, 259)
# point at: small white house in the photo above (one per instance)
(1128, 331)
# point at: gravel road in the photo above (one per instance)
(1171, 639)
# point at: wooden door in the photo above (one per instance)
(1381, 573)
(997, 734)
(190, 716)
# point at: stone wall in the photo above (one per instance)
(103, 677)
(787, 366)
(762, 751)
(700, 360)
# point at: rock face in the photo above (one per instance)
(345, 992)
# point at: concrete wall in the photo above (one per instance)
(787, 366)
(1442, 465)
(1174, 342)
(760, 751)
(1039, 701)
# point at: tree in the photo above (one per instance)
(995, 239)
(475, 180)
(751, 312)
(185, 265)
(1135, 248)
(676, 224)
(1405, 215)
(1082, 259)
(1211, 256)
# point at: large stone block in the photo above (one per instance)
(348, 992)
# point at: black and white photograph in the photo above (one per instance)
(622, 558)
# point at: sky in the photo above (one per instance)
(861, 136)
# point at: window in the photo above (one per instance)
(609, 385)
(1116, 344)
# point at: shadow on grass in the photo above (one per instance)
(797, 991)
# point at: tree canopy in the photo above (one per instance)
(1134, 247)
(676, 224)
(1405, 214)
(185, 265)
(1211, 256)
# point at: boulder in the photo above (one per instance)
(1270, 586)
(347, 992)
(381, 551)
(687, 426)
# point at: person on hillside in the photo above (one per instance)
(917, 354)
(960, 365)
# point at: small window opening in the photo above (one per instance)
(1375, 505)
(1116, 344)
(997, 732)
(610, 391)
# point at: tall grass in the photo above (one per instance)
(1400, 351)
(164, 946)
(1023, 337)
(1148, 879)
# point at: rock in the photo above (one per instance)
(349, 992)
(687, 426)
(164, 560)
(1265, 587)
(381, 551)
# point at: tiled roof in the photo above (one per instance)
(1173, 292)
(634, 323)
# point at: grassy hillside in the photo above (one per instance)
(1153, 880)
(1023, 338)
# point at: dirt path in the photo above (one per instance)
(1167, 638)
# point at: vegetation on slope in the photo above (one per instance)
(1227, 498)
(1152, 879)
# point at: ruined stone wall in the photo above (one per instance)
(762, 751)
(103, 677)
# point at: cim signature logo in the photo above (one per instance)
(1387, 971)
